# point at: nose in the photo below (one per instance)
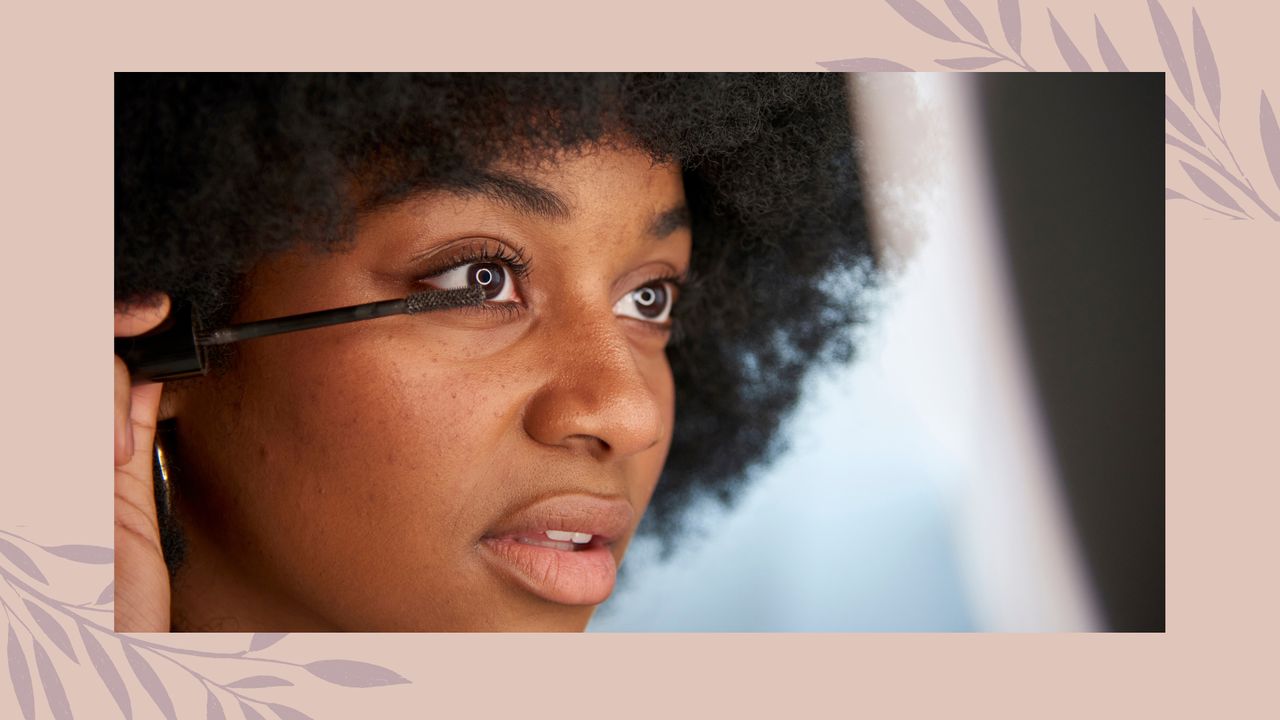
(597, 399)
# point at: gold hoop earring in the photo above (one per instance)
(163, 477)
(165, 468)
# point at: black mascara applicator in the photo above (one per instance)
(176, 349)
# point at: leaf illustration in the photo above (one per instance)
(250, 713)
(150, 682)
(261, 641)
(1011, 21)
(92, 554)
(1172, 50)
(1171, 194)
(349, 673)
(1204, 160)
(284, 712)
(107, 595)
(1210, 188)
(1270, 136)
(1171, 140)
(1070, 53)
(259, 681)
(1110, 57)
(107, 671)
(967, 20)
(213, 708)
(967, 63)
(1180, 122)
(918, 15)
(1206, 65)
(21, 560)
(53, 692)
(864, 64)
(51, 629)
(20, 676)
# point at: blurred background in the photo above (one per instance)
(993, 460)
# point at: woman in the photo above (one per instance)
(482, 468)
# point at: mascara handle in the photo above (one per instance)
(169, 352)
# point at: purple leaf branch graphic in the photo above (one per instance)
(261, 641)
(864, 64)
(1107, 50)
(1171, 47)
(1270, 136)
(20, 673)
(920, 16)
(21, 560)
(54, 693)
(1211, 189)
(965, 17)
(139, 653)
(1181, 122)
(1011, 23)
(285, 712)
(967, 63)
(1206, 65)
(1070, 53)
(350, 673)
(1171, 194)
(107, 671)
(213, 708)
(1210, 83)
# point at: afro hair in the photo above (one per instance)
(215, 172)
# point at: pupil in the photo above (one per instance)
(651, 300)
(490, 277)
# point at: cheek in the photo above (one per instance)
(662, 384)
(361, 448)
(381, 423)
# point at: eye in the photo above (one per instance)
(650, 302)
(493, 277)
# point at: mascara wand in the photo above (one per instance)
(176, 349)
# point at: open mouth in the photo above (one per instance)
(565, 540)
(561, 548)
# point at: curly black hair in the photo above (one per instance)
(214, 172)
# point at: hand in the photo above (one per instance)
(142, 578)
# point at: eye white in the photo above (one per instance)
(460, 277)
(629, 305)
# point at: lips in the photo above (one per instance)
(563, 566)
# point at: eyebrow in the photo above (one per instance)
(519, 194)
(671, 220)
(529, 198)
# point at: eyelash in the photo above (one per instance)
(514, 258)
(677, 281)
(518, 262)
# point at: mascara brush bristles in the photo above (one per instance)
(428, 301)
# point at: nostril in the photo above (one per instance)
(588, 443)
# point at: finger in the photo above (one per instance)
(135, 485)
(138, 317)
(124, 429)
(144, 406)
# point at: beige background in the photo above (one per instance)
(1223, 350)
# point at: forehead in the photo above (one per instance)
(580, 183)
(605, 191)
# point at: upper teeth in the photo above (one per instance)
(562, 536)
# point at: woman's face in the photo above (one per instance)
(443, 471)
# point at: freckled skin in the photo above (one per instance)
(340, 479)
